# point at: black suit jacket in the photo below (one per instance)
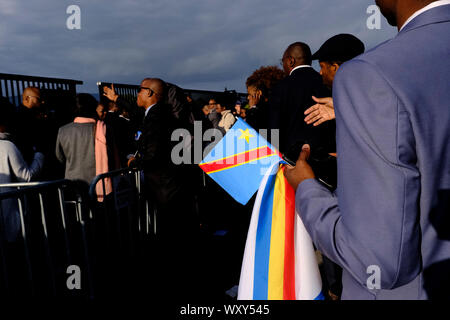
(154, 148)
(287, 104)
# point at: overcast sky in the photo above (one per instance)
(197, 44)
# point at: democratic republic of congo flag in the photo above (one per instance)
(239, 161)
(279, 261)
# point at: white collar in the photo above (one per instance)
(302, 66)
(428, 7)
(148, 109)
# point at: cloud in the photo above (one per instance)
(198, 44)
(8, 7)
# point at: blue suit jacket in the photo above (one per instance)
(391, 208)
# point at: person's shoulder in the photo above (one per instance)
(74, 126)
(281, 85)
(8, 146)
(304, 74)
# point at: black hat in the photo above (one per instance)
(342, 47)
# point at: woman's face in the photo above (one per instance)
(254, 95)
(101, 111)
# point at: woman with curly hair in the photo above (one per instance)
(259, 85)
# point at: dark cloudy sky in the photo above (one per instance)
(197, 44)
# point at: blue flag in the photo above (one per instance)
(240, 160)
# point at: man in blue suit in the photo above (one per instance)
(388, 223)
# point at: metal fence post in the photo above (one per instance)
(3, 249)
(85, 245)
(25, 245)
(62, 207)
(46, 244)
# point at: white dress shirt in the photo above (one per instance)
(148, 109)
(298, 67)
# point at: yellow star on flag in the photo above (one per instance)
(245, 135)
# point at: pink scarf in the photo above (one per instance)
(101, 155)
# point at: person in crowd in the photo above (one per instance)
(331, 55)
(154, 153)
(82, 146)
(101, 110)
(226, 118)
(243, 114)
(28, 125)
(195, 108)
(292, 96)
(35, 130)
(176, 223)
(237, 108)
(259, 86)
(13, 168)
(387, 224)
(213, 116)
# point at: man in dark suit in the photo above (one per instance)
(162, 177)
(292, 96)
(387, 225)
(168, 187)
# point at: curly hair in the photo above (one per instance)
(265, 78)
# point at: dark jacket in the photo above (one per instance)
(287, 104)
(154, 148)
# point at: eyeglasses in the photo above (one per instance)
(151, 91)
(146, 88)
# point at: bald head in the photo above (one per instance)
(297, 54)
(152, 91)
(157, 85)
(31, 97)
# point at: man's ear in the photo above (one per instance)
(335, 66)
(291, 62)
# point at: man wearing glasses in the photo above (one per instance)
(167, 186)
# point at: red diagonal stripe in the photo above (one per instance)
(238, 159)
(289, 256)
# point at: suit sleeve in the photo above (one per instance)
(59, 152)
(374, 219)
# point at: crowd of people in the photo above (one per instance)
(376, 104)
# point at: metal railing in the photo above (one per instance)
(12, 86)
(33, 202)
(63, 222)
(127, 202)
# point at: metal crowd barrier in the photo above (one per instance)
(126, 204)
(63, 222)
(29, 210)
